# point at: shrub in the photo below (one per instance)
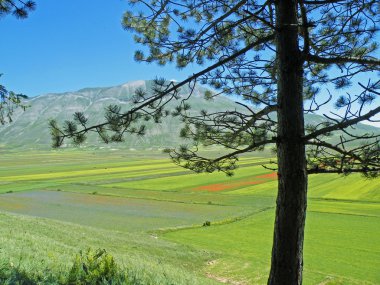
(15, 275)
(95, 268)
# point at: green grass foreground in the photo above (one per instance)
(148, 214)
(89, 267)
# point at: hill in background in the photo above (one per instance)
(30, 128)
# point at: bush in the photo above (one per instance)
(15, 275)
(95, 268)
(11, 275)
(89, 268)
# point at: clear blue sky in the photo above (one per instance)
(71, 44)
(67, 45)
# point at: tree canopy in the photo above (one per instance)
(18, 8)
(282, 58)
(236, 42)
(9, 101)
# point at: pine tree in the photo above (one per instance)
(18, 8)
(286, 58)
(9, 100)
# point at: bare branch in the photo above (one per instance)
(322, 2)
(341, 125)
(255, 117)
(342, 151)
(342, 59)
(363, 170)
(246, 149)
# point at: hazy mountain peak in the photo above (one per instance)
(134, 84)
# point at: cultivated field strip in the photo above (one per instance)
(111, 213)
(148, 208)
(191, 180)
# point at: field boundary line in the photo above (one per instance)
(343, 200)
(348, 214)
(217, 223)
(137, 198)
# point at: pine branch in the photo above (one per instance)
(341, 125)
(178, 85)
(221, 18)
(246, 149)
(256, 117)
(364, 170)
(159, 11)
(342, 59)
(323, 2)
(342, 151)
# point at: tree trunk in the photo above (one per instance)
(287, 251)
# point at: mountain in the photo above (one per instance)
(30, 128)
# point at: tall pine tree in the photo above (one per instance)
(287, 58)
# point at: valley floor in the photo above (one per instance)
(149, 214)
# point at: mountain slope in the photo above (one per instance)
(30, 128)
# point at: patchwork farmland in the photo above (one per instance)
(153, 216)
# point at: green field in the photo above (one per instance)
(149, 213)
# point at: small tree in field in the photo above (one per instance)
(285, 57)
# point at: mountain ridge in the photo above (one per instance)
(29, 128)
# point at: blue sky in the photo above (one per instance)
(68, 45)
(71, 44)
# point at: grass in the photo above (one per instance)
(35, 244)
(149, 213)
(114, 214)
(190, 181)
(336, 245)
(352, 187)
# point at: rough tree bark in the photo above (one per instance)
(287, 257)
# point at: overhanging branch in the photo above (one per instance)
(176, 86)
(317, 2)
(341, 59)
(246, 149)
(343, 124)
(349, 153)
(344, 170)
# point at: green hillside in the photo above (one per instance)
(30, 128)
